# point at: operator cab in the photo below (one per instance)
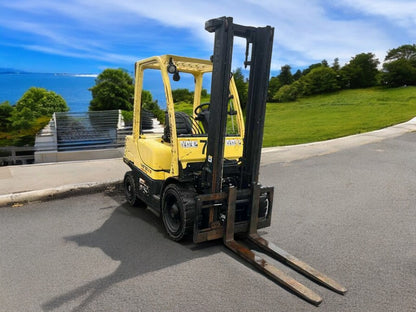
(174, 137)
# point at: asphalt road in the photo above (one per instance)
(350, 214)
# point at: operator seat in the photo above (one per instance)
(183, 125)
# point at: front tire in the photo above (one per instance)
(178, 211)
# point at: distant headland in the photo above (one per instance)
(13, 71)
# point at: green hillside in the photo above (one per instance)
(338, 114)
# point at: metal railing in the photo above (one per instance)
(13, 155)
(71, 132)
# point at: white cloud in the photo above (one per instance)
(306, 31)
(301, 26)
(402, 12)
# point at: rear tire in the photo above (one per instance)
(130, 190)
(178, 211)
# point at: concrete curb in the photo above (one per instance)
(57, 192)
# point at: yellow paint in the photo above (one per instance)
(159, 159)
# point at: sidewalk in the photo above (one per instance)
(39, 181)
(35, 182)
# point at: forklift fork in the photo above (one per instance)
(275, 252)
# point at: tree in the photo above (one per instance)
(23, 119)
(6, 111)
(297, 75)
(147, 104)
(41, 102)
(146, 97)
(320, 80)
(274, 86)
(335, 64)
(406, 52)
(30, 114)
(284, 78)
(182, 95)
(313, 66)
(361, 71)
(399, 66)
(113, 89)
(399, 73)
(290, 92)
(36, 103)
(242, 87)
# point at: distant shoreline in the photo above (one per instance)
(85, 75)
(55, 74)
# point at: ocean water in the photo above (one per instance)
(73, 88)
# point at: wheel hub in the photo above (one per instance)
(174, 211)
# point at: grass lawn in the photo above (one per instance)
(338, 114)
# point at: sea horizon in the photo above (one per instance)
(72, 87)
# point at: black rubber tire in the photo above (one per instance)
(130, 190)
(178, 211)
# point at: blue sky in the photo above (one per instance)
(79, 36)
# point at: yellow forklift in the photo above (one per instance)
(200, 171)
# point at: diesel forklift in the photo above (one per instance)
(201, 172)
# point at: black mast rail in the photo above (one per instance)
(260, 39)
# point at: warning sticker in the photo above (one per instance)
(233, 142)
(189, 144)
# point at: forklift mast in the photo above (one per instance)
(261, 41)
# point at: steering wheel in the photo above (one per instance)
(200, 107)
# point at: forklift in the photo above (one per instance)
(201, 173)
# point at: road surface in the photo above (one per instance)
(350, 214)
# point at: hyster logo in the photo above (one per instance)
(189, 144)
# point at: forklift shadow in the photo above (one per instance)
(136, 238)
